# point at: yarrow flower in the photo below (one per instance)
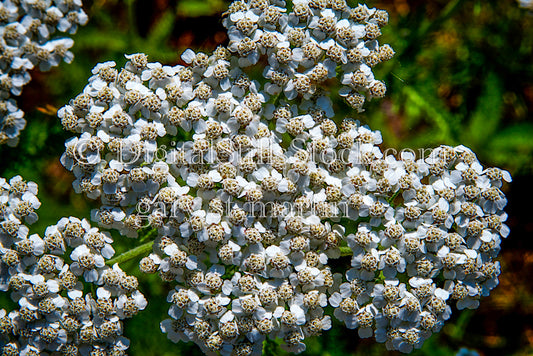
(249, 190)
(55, 313)
(28, 41)
(317, 37)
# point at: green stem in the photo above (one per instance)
(131, 254)
(130, 6)
(277, 98)
(148, 235)
(346, 251)
(270, 347)
(391, 199)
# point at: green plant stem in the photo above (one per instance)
(277, 98)
(391, 199)
(270, 347)
(148, 235)
(131, 254)
(132, 22)
(346, 251)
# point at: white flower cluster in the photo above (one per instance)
(18, 202)
(316, 41)
(252, 193)
(27, 28)
(208, 198)
(56, 315)
(435, 248)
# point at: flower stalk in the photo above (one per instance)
(138, 251)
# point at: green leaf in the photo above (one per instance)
(436, 112)
(457, 330)
(513, 147)
(518, 137)
(162, 29)
(486, 117)
(96, 39)
(195, 8)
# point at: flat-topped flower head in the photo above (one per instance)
(51, 298)
(250, 189)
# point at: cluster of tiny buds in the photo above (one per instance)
(48, 279)
(27, 41)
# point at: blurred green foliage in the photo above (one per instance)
(462, 74)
